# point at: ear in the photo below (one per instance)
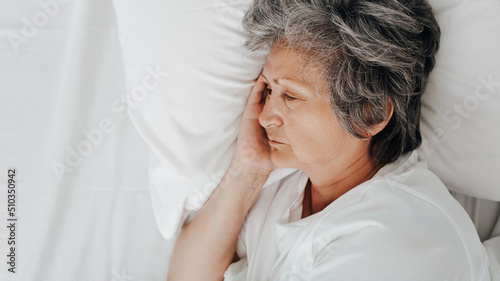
(375, 129)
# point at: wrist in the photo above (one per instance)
(248, 171)
(245, 181)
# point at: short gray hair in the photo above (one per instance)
(373, 54)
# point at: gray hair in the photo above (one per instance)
(374, 54)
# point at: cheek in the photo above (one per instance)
(315, 138)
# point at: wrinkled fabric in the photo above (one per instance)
(402, 224)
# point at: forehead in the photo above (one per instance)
(284, 63)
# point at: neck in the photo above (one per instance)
(328, 182)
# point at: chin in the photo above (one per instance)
(282, 161)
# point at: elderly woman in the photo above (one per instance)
(339, 100)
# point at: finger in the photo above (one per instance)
(256, 93)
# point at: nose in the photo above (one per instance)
(270, 115)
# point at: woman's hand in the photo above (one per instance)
(252, 146)
(209, 240)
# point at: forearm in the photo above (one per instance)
(206, 246)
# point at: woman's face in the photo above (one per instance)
(302, 129)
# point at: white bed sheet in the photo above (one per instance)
(61, 81)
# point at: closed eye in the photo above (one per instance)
(288, 97)
(267, 93)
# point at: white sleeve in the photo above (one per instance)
(492, 246)
(237, 271)
(241, 246)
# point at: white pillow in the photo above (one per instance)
(461, 106)
(188, 76)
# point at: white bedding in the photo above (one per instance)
(83, 198)
(61, 83)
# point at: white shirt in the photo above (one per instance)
(402, 224)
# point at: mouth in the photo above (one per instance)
(274, 142)
(271, 139)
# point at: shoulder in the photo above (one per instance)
(411, 223)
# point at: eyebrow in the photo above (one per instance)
(277, 80)
(293, 89)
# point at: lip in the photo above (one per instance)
(275, 142)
